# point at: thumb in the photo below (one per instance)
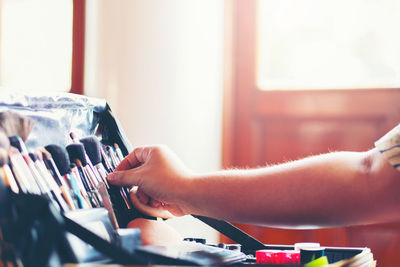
(123, 178)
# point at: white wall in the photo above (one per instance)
(159, 65)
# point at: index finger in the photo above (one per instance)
(128, 162)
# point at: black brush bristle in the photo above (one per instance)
(60, 157)
(93, 148)
(77, 151)
(33, 156)
(17, 142)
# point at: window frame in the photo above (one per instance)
(78, 47)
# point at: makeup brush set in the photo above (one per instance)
(64, 176)
(55, 154)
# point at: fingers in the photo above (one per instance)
(159, 211)
(123, 178)
(145, 199)
(142, 196)
(155, 203)
(128, 162)
(123, 174)
(138, 156)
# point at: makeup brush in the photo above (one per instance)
(101, 188)
(93, 150)
(27, 167)
(61, 159)
(114, 159)
(81, 183)
(46, 189)
(118, 151)
(77, 151)
(92, 171)
(77, 155)
(51, 166)
(49, 180)
(106, 161)
(93, 194)
(51, 195)
(4, 141)
(57, 155)
(17, 142)
(22, 173)
(13, 123)
(73, 137)
(115, 162)
(6, 172)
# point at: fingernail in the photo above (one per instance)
(111, 177)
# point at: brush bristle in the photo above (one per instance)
(77, 151)
(93, 148)
(39, 155)
(3, 157)
(15, 124)
(4, 141)
(72, 135)
(16, 141)
(45, 154)
(60, 157)
(33, 156)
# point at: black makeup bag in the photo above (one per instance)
(32, 231)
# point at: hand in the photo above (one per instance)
(155, 232)
(159, 177)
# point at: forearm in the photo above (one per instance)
(327, 190)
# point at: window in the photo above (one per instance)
(332, 44)
(36, 44)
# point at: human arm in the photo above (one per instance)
(333, 189)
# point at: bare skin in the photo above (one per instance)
(335, 189)
(155, 232)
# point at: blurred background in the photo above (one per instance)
(224, 83)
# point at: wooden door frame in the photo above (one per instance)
(78, 47)
(239, 32)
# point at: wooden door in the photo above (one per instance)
(276, 126)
